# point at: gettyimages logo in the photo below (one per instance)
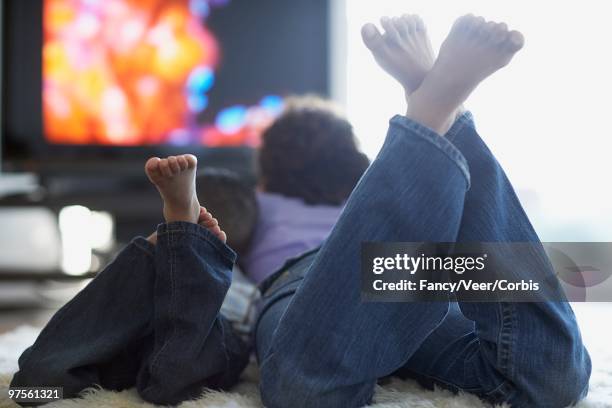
(487, 271)
(414, 264)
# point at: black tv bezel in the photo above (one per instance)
(42, 154)
(41, 157)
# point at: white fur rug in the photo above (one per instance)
(398, 394)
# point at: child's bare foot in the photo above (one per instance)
(473, 50)
(174, 177)
(206, 220)
(404, 51)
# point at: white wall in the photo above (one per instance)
(546, 116)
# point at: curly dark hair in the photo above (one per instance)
(310, 152)
(232, 201)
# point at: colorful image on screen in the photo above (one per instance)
(138, 72)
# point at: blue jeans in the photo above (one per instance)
(150, 320)
(320, 346)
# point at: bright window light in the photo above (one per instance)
(82, 231)
(76, 246)
(101, 231)
(545, 116)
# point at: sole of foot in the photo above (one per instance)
(174, 178)
(404, 50)
(474, 49)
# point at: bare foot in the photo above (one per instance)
(404, 51)
(174, 177)
(207, 221)
(473, 50)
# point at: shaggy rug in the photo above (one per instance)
(396, 394)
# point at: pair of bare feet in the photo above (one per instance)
(436, 88)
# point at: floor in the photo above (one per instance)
(592, 317)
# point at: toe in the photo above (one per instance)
(410, 23)
(192, 161)
(372, 37)
(152, 167)
(182, 162)
(489, 28)
(479, 27)
(470, 24)
(164, 168)
(390, 32)
(464, 22)
(502, 27)
(215, 230)
(203, 215)
(515, 41)
(500, 32)
(174, 165)
(210, 222)
(222, 236)
(401, 27)
(419, 24)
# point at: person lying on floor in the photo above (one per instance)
(158, 317)
(308, 164)
(434, 180)
(149, 318)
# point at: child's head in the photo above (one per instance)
(310, 152)
(232, 202)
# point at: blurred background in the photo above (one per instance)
(90, 88)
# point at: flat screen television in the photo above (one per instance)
(109, 81)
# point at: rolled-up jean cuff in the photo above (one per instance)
(465, 119)
(442, 143)
(178, 228)
(145, 246)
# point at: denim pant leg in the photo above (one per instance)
(528, 354)
(193, 345)
(98, 337)
(329, 348)
(150, 319)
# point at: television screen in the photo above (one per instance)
(133, 73)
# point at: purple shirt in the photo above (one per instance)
(287, 227)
